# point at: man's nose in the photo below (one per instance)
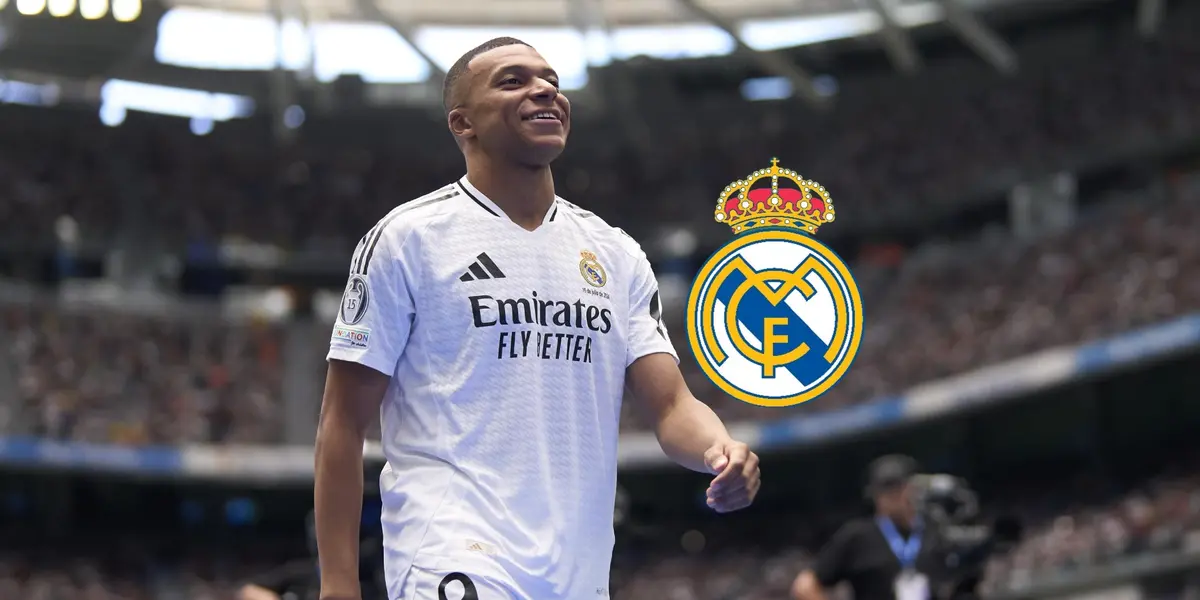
(543, 89)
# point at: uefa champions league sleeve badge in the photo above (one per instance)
(774, 317)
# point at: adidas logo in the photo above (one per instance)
(482, 268)
(481, 547)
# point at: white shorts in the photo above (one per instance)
(428, 584)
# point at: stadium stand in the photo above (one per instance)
(958, 307)
(1157, 515)
(226, 381)
(106, 375)
(882, 150)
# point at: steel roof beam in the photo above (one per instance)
(587, 16)
(612, 86)
(986, 43)
(371, 10)
(1150, 17)
(137, 55)
(896, 41)
(772, 62)
(281, 83)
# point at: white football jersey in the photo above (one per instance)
(507, 350)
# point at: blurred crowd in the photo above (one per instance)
(952, 308)
(1159, 517)
(891, 147)
(1066, 532)
(48, 573)
(90, 578)
(898, 149)
(107, 375)
(1163, 516)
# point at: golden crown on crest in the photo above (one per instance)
(750, 203)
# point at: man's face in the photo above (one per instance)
(899, 502)
(513, 105)
(906, 500)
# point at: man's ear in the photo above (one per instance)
(460, 124)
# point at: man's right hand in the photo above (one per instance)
(806, 587)
(254, 592)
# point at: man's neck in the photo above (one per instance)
(525, 194)
(900, 521)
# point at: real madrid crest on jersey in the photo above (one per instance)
(592, 270)
(774, 317)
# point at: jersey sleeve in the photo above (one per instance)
(376, 314)
(830, 567)
(647, 332)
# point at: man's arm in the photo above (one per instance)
(829, 569)
(686, 427)
(368, 339)
(353, 394)
(691, 434)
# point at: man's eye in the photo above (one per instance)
(511, 80)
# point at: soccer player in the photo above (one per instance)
(494, 327)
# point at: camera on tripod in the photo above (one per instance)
(949, 504)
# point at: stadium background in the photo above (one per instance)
(1018, 185)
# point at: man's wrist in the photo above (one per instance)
(341, 592)
(340, 596)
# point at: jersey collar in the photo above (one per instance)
(486, 203)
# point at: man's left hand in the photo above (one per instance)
(737, 478)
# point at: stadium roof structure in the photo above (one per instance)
(399, 48)
(541, 12)
(724, 21)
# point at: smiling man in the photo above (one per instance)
(494, 327)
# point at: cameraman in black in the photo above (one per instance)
(892, 555)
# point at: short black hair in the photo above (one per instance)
(449, 97)
(888, 472)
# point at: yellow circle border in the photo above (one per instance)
(782, 235)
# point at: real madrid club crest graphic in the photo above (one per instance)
(774, 317)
